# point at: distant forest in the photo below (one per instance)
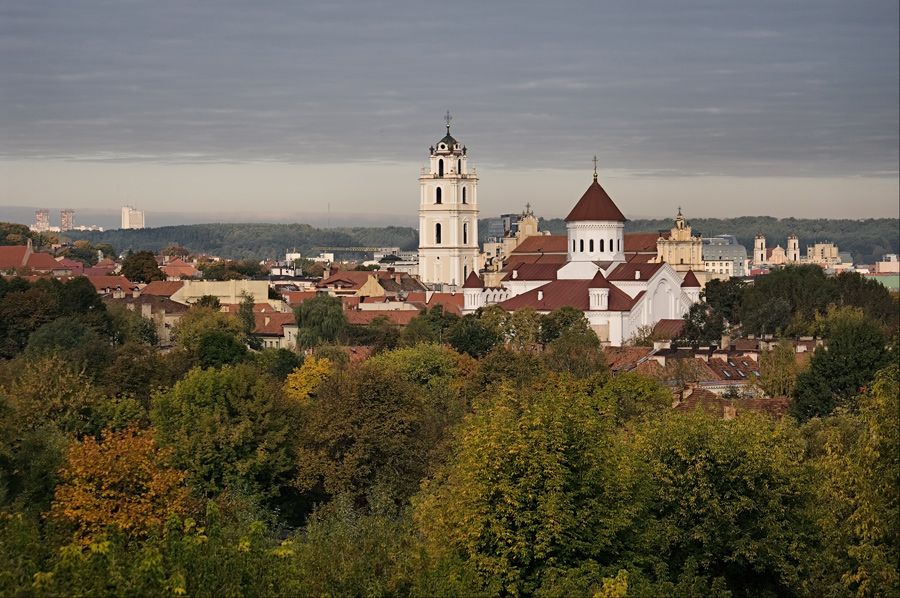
(868, 240)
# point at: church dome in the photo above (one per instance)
(448, 144)
(595, 204)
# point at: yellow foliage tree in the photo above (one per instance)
(303, 383)
(123, 480)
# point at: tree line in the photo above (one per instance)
(488, 455)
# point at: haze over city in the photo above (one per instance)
(283, 112)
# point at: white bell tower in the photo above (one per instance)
(448, 215)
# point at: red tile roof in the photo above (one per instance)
(102, 282)
(165, 288)
(595, 204)
(627, 271)
(295, 297)
(543, 244)
(625, 358)
(43, 262)
(553, 295)
(532, 271)
(473, 282)
(272, 324)
(641, 242)
(668, 328)
(690, 280)
(12, 256)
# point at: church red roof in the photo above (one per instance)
(532, 271)
(473, 282)
(543, 244)
(595, 204)
(690, 280)
(629, 271)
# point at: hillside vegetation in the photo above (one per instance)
(868, 240)
(251, 240)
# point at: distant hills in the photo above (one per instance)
(868, 239)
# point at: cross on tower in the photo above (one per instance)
(448, 118)
(595, 165)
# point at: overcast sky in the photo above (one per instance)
(724, 108)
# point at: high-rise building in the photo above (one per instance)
(448, 216)
(68, 220)
(132, 218)
(41, 220)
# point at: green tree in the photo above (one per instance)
(576, 352)
(217, 348)
(248, 320)
(724, 298)
(319, 320)
(702, 324)
(728, 498)
(524, 328)
(470, 335)
(525, 492)
(231, 430)
(554, 323)
(141, 267)
(787, 299)
(208, 301)
(854, 352)
(860, 508)
(200, 320)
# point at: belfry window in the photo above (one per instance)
(465, 233)
(459, 167)
(440, 168)
(464, 195)
(437, 195)
(437, 234)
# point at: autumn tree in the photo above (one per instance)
(778, 370)
(303, 383)
(123, 480)
(470, 335)
(200, 320)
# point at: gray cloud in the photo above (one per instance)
(764, 88)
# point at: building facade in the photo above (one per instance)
(132, 218)
(448, 216)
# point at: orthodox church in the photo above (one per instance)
(594, 267)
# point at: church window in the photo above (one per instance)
(437, 195)
(437, 234)
(601, 245)
(591, 245)
(464, 195)
(581, 245)
(465, 233)
(619, 245)
(440, 167)
(459, 167)
(465, 272)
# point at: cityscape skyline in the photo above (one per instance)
(789, 110)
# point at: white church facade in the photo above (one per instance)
(617, 296)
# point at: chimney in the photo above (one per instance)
(637, 274)
(267, 320)
(515, 273)
(540, 295)
(136, 292)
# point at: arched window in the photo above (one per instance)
(465, 272)
(437, 195)
(437, 234)
(601, 245)
(459, 167)
(619, 244)
(440, 168)
(581, 245)
(464, 195)
(465, 233)
(591, 245)
(573, 245)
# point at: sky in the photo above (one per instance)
(324, 112)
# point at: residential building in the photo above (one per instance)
(132, 218)
(724, 257)
(67, 220)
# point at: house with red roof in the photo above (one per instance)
(24, 257)
(589, 269)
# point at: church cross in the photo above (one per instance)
(595, 165)
(448, 118)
